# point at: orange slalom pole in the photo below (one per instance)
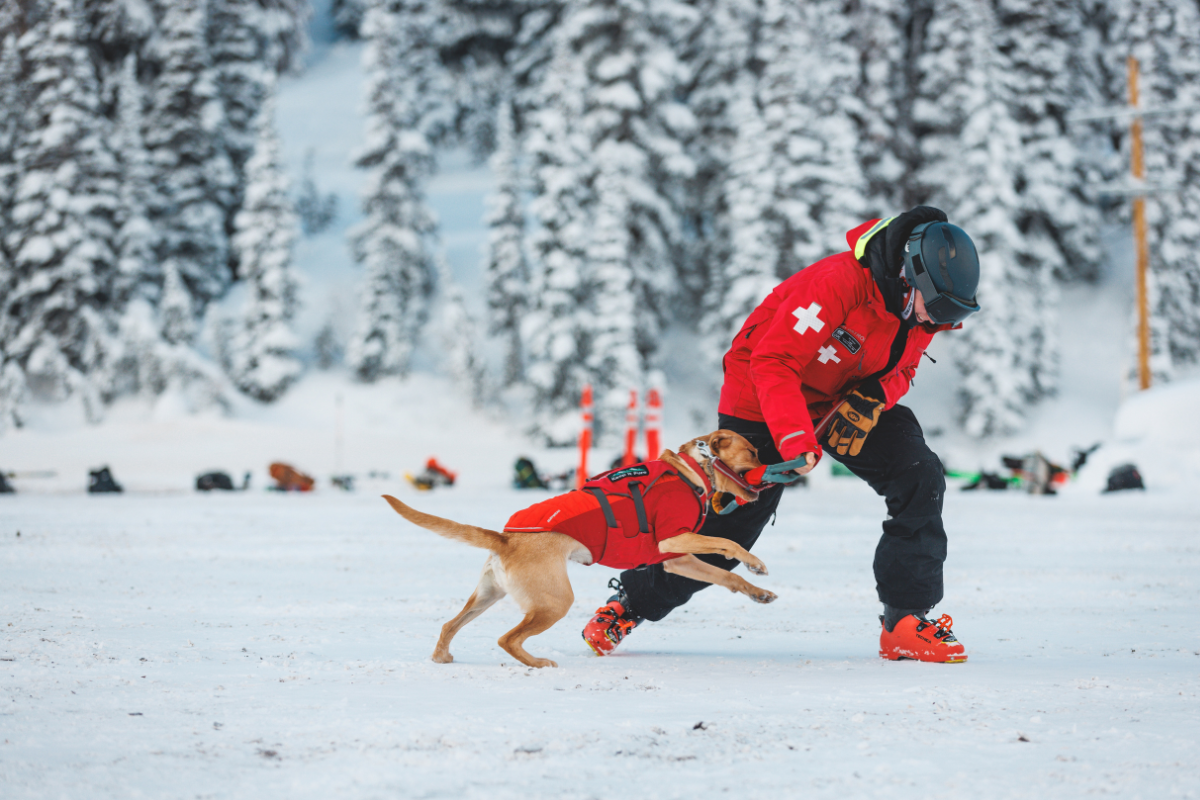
(585, 436)
(631, 429)
(653, 425)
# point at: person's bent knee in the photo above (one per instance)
(927, 472)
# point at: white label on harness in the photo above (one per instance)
(702, 448)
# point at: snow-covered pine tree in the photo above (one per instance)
(12, 377)
(407, 112)
(971, 149)
(12, 394)
(1099, 72)
(12, 116)
(460, 341)
(877, 32)
(554, 330)
(795, 185)
(249, 41)
(507, 271)
(177, 316)
(609, 256)
(317, 211)
(716, 52)
(1162, 35)
(261, 361)
(113, 29)
(138, 279)
(348, 16)
(1041, 50)
(190, 166)
(494, 51)
(823, 189)
(136, 240)
(55, 321)
(162, 342)
(240, 76)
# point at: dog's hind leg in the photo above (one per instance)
(489, 590)
(535, 622)
(544, 593)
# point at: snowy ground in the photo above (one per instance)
(167, 644)
(258, 645)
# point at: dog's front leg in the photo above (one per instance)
(691, 567)
(695, 543)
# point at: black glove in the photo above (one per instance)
(852, 421)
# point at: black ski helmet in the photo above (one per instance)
(940, 260)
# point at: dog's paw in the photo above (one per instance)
(757, 567)
(763, 596)
(442, 657)
(542, 662)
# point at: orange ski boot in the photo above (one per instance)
(917, 638)
(611, 624)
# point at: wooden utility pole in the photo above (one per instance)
(1138, 164)
(1137, 191)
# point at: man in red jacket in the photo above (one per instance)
(824, 359)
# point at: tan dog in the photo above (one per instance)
(532, 566)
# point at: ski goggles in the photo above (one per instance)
(943, 308)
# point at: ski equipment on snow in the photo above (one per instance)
(100, 481)
(433, 475)
(289, 479)
(1125, 476)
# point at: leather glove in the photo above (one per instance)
(852, 421)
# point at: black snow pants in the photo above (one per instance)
(897, 464)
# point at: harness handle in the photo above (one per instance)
(610, 519)
(635, 492)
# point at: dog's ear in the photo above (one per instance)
(718, 441)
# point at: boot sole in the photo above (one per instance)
(951, 660)
(595, 649)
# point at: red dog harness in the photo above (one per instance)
(622, 515)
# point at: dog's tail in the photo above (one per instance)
(476, 537)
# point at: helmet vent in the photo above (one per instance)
(946, 277)
(918, 264)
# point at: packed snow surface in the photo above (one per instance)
(263, 645)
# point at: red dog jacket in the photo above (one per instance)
(622, 515)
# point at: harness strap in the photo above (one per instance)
(610, 518)
(635, 492)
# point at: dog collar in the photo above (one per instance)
(695, 465)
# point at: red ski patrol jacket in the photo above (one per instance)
(817, 336)
(642, 505)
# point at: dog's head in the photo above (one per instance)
(734, 453)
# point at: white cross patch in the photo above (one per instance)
(807, 318)
(827, 355)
